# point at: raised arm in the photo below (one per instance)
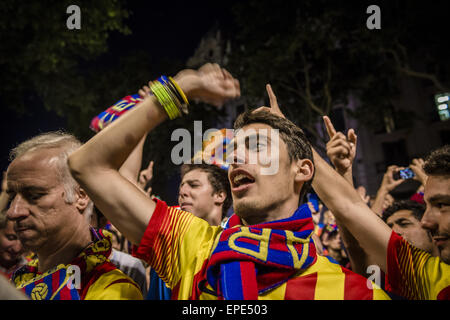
(96, 164)
(344, 201)
(341, 150)
(131, 167)
(346, 204)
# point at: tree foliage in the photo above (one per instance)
(316, 53)
(41, 57)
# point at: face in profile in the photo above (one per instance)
(436, 219)
(405, 224)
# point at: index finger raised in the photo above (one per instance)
(330, 128)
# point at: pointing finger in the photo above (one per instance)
(330, 128)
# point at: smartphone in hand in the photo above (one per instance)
(404, 174)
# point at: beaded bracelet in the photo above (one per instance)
(170, 96)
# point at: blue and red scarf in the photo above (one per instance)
(54, 284)
(249, 260)
(106, 117)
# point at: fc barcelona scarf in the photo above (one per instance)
(53, 285)
(106, 117)
(248, 261)
(57, 283)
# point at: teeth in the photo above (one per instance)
(238, 178)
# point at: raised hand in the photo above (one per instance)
(389, 183)
(274, 108)
(417, 167)
(341, 149)
(210, 84)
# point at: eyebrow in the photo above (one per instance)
(258, 138)
(190, 181)
(439, 197)
(399, 220)
(27, 189)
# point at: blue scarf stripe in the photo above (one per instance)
(231, 281)
(28, 290)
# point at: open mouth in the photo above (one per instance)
(240, 179)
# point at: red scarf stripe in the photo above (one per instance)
(278, 246)
(248, 280)
(56, 282)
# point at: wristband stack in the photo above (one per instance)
(170, 96)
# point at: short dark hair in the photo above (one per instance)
(438, 162)
(217, 177)
(417, 209)
(295, 139)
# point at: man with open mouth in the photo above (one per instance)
(265, 250)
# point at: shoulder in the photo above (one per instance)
(110, 283)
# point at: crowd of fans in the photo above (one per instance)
(305, 232)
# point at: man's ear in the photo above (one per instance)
(304, 170)
(219, 197)
(82, 200)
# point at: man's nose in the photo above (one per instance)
(17, 209)
(184, 191)
(428, 220)
(239, 156)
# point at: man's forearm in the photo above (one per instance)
(377, 205)
(131, 167)
(96, 165)
(348, 207)
(357, 256)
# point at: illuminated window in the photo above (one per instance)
(442, 103)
